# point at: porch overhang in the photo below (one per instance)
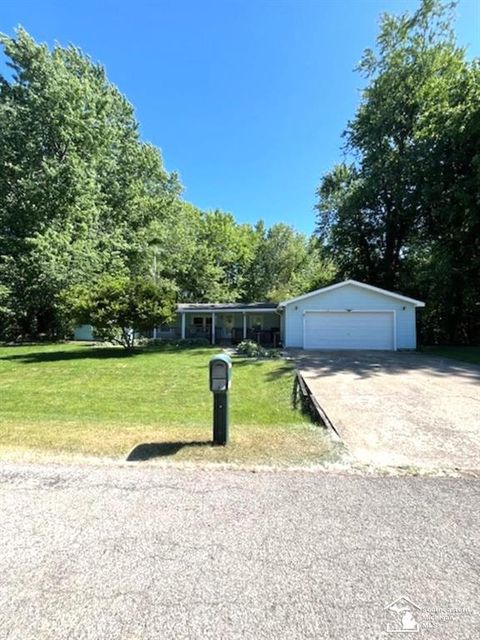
(225, 308)
(210, 310)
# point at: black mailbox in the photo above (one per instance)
(220, 373)
(220, 370)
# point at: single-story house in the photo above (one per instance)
(347, 315)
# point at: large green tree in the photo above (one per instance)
(405, 212)
(206, 254)
(119, 307)
(285, 263)
(84, 202)
(77, 186)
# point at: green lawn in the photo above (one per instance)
(100, 401)
(464, 354)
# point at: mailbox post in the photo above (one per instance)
(220, 369)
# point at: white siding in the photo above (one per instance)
(354, 298)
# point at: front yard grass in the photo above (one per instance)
(464, 354)
(96, 400)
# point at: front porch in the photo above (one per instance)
(230, 323)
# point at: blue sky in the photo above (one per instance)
(247, 99)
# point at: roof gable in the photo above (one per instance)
(362, 285)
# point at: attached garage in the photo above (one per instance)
(350, 315)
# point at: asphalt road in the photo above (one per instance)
(150, 553)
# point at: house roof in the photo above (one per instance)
(391, 294)
(272, 306)
(227, 306)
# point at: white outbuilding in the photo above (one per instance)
(350, 315)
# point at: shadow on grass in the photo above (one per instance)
(86, 353)
(470, 354)
(279, 372)
(148, 450)
(93, 352)
(301, 401)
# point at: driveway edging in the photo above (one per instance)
(317, 407)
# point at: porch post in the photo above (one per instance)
(244, 325)
(183, 326)
(213, 327)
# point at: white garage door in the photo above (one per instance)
(348, 330)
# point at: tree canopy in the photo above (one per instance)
(404, 213)
(77, 186)
(85, 205)
(119, 307)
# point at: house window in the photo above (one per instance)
(202, 323)
(256, 323)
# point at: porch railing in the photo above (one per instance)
(265, 337)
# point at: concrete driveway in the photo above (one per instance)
(113, 552)
(399, 408)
